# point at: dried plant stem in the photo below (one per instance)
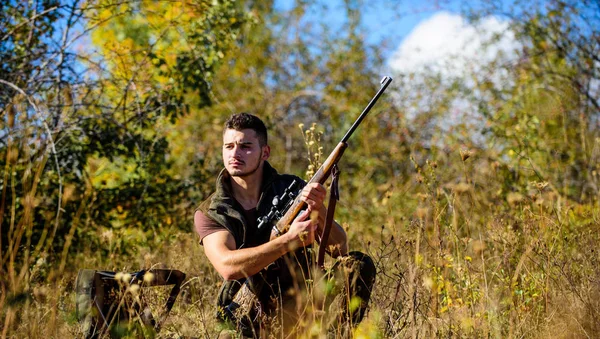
(413, 290)
(51, 146)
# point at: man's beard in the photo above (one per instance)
(248, 173)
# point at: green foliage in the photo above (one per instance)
(87, 164)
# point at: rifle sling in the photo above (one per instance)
(334, 196)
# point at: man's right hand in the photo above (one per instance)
(302, 230)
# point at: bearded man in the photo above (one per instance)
(280, 264)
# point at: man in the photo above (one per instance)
(227, 226)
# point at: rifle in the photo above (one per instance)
(244, 301)
(321, 176)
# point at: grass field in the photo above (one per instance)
(524, 269)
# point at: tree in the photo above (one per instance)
(84, 127)
(545, 118)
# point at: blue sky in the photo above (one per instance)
(416, 35)
(385, 23)
(419, 37)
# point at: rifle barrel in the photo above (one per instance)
(384, 84)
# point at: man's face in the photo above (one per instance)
(242, 153)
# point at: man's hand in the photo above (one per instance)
(314, 196)
(302, 230)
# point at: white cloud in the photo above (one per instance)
(449, 47)
(447, 44)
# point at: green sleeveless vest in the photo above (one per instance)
(227, 212)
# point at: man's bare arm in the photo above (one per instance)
(232, 263)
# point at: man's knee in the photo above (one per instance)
(360, 272)
(365, 267)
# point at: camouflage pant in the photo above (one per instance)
(341, 292)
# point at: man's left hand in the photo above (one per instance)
(314, 195)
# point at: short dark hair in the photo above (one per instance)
(242, 121)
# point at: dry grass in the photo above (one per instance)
(533, 279)
(454, 259)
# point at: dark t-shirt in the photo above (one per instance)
(206, 226)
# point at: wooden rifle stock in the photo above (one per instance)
(320, 176)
